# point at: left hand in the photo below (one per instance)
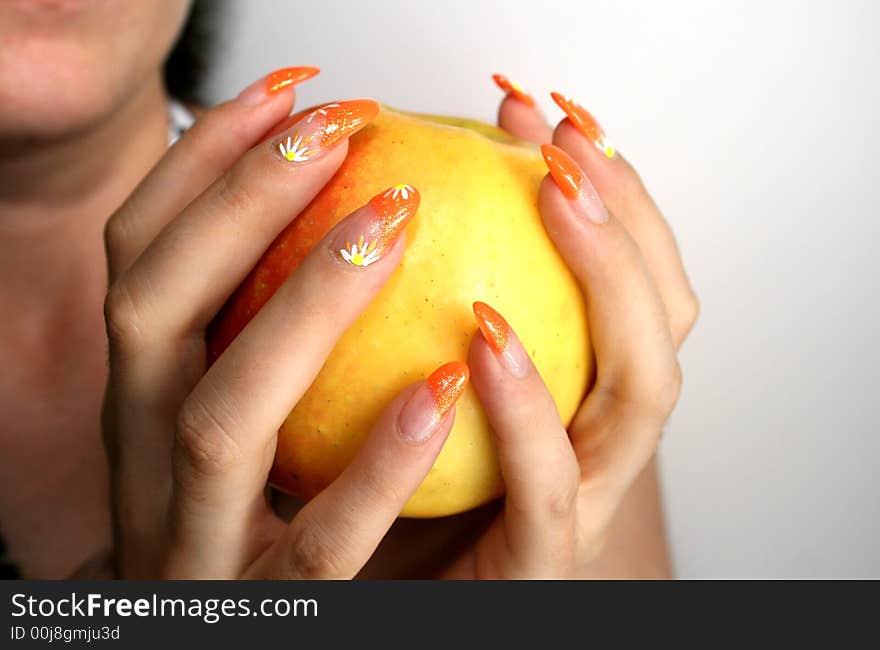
(564, 486)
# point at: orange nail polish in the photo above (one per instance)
(564, 169)
(262, 89)
(495, 329)
(510, 86)
(585, 123)
(343, 119)
(447, 384)
(285, 77)
(500, 337)
(324, 127)
(574, 184)
(393, 207)
(367, 234)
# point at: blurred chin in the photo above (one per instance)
(53, 90)
(66, 66)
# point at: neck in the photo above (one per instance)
(56, 195)
(39, 176)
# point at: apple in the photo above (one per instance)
(477, 235)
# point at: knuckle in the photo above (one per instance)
(217, 132)
(668, 390)
(686, 314)
(219, 119)
(236, 132)
(116, 233)
(561, 498)
(652, 398)
(125, 327)
(310, 557)
(376, 487)
(235, 194)
(206, 128)
(121, 233)
(205, 442)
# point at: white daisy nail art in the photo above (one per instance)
(360, 254)
(320, 111)
(584, 122)
(514, 88)
(309, 137)
(375, 227)
(402, 191)
(295, 149)
(604, 145)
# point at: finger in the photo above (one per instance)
(227, 428)
(182, 279)
(135, 408)
(216, 140)
(519, 115)
(335, 534)
(157, 310)
(539, 467)
(624, 194)
(638, 377)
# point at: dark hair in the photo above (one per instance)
(188, 61)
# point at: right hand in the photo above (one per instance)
(190, 447)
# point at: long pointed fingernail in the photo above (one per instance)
(447, 384)
(574, 184)
(432, 401)
(370, 232)
(281, 79)
(501, 338)
(584, 122)
(513, 88)
(322, 128)
(274, 82)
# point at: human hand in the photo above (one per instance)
(190, 447)
(620, 189)
(564, 486)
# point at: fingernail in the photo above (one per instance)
(501, 339)
(368, 233)
(584, 122)
(274, 82)
(322, 128)
(432, 401)
(574, 184)
(513, 88)
(447, 384)
(285, 77)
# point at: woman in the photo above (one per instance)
(84, 116)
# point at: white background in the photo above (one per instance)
(755, 125)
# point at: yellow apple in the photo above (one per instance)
(477, 235)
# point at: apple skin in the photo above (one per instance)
(477, 235)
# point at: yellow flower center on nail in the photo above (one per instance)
(361, 254)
